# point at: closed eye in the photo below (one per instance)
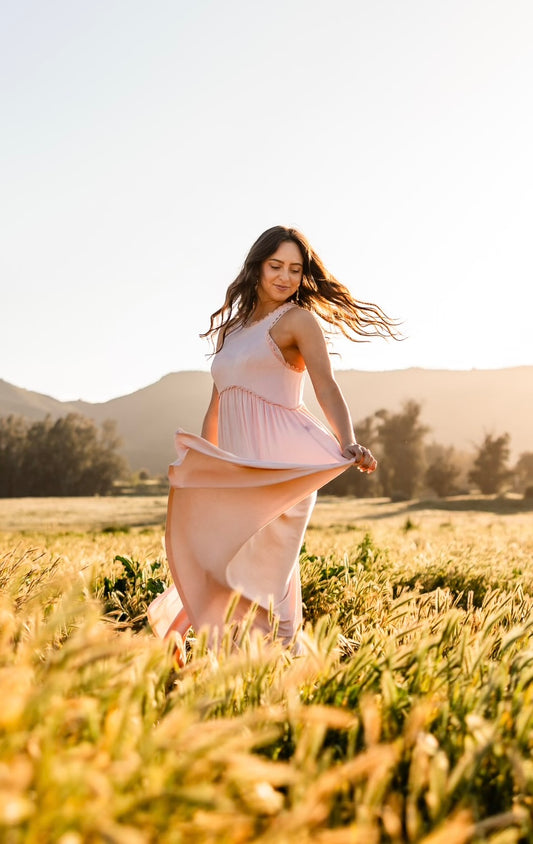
(292, 269)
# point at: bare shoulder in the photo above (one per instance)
(300, 319)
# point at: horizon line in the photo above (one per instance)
(207, 372)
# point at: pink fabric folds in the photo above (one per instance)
(237, 513)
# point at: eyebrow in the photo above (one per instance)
(291, 263)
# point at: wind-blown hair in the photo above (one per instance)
(319, 292)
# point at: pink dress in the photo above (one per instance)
(237, 512)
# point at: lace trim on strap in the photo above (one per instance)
(261, 398)
(274, 315)
(279, 355)
(277, 314)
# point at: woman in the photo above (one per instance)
(242, 493)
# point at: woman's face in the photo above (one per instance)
(280, 274)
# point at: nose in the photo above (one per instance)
(284, 273)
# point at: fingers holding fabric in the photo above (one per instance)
(364, 459)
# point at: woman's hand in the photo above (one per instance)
(364, 459)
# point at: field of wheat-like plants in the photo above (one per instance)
(409, 718)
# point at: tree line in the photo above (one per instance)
(73, 456)
(410, 466)
(66, 456)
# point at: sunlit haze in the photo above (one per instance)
(145, 146)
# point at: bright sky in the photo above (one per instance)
(145, 146)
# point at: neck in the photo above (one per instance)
(263, 309)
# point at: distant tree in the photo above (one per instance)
(13, 433)
(401, 450)
(523, 471)
(442, 471)
(490, 471)
(34, 469)
(71, 452)
(68, 456)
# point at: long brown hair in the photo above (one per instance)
(319, 292)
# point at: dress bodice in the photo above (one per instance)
(250, 360)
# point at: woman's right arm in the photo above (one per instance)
(210, 426)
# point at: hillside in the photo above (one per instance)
(458, 406)
(21, 402)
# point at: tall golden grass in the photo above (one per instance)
(409, 718)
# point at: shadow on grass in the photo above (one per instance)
(499, 505)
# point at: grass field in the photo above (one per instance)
(408, 719)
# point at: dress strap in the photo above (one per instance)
(278, 313)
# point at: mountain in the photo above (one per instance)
(21, 402)
(460, 407)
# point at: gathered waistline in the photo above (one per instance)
(261, 398)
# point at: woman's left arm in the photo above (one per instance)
(310, 341)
